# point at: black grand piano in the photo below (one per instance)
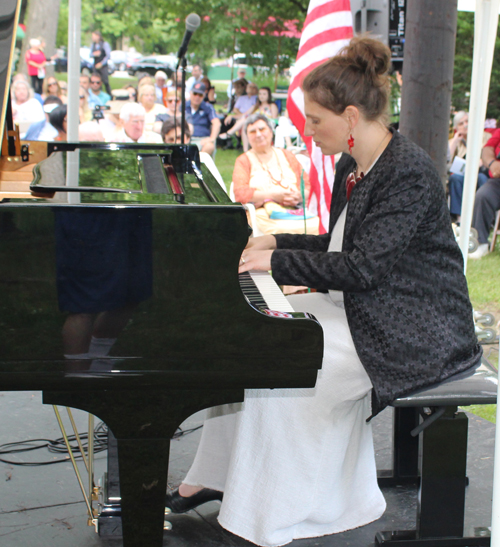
(142, 250)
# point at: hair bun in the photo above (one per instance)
(368, 55)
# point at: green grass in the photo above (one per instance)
(224, 160)
(482, 277)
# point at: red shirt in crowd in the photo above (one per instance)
(36, 58)
(494, 142)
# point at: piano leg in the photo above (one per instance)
(143, 423)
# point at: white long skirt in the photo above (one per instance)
(296, 463)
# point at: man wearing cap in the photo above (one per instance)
(96, 95)
(202, 116)
(100, 51)
(196, 77)
(161, 87)
(132, 118)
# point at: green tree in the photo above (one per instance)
(147, 23)
(463, 68)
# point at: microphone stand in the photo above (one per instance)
(183, 98)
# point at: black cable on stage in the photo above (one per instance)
(58, 446)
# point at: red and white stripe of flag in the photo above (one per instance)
(327, 28)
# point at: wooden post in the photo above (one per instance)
(277, 64)
(428, 76)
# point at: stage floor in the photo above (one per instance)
(43, 507)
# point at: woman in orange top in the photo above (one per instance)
(270, 178)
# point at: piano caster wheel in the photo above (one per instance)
(167, 525)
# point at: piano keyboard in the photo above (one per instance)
(261, 291)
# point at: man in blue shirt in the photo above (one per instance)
(206, 124)
(96, 95)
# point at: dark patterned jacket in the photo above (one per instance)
(401, 271)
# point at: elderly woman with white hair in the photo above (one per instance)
(458, 149)
(131, 129)
(25, 108)
(147, 98)
(36, 61)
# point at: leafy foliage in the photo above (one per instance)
(147, 23)
(463, 68)
(154, 26)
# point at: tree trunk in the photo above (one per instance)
(41, 22)
(428, 76)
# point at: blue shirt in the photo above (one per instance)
(201, 119)
(101, 99)
(245, 103)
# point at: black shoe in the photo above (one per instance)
(179, 504)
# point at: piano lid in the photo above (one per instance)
(9, 16)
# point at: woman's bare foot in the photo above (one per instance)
(186, 490)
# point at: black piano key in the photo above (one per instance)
(251, 291)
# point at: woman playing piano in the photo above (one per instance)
(395, 314)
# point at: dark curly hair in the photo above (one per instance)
(357, 75)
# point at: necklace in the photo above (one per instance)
(274, 180)
(352, 178)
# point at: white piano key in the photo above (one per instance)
(272, 294)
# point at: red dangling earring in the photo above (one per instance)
(350, 143)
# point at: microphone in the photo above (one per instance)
(192, 23)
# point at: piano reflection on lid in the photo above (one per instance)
(104, 270)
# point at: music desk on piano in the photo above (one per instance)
(149, 244)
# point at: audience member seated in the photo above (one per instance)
(22, 77)
(90, 132)
(171, 132)
(161, 87)
(241, 74)
(210, 95)
(132, 92)
(96, 95)
(487, 200)
(264, 105)
(239, 89)
(243, 104)
(51, 87)
(458, 148)
(25, 108)
(84, 112)
(147, 98)
(85, 82)
(64, 88)
(173, 106)
(285, 132)
(132, 117)
(201, 115)
(270, 178)
(196, 78)
(110, 121)
(175, 83)
(58, 119)
(44, 130)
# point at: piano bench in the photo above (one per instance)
(429, 422)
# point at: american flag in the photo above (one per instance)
(327, 28)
